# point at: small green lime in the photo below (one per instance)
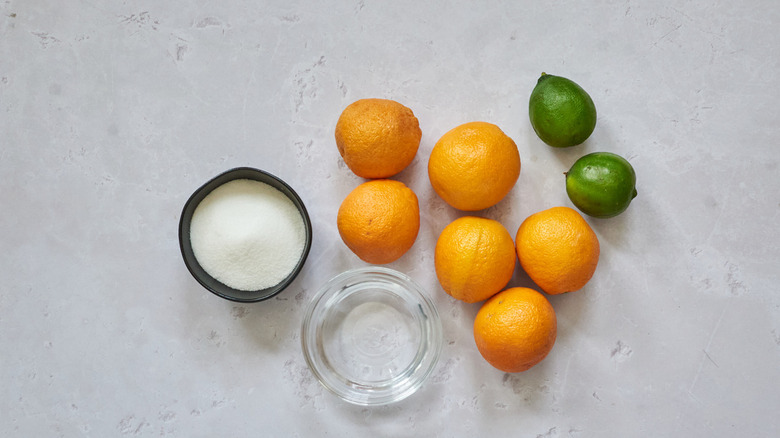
(561, 112)
(601, 184)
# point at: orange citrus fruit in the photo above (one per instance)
(474, 166)
(379, 220)
(557, 249)
(377, 137)
(515, 329)
(474, 258)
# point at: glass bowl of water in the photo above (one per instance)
(371, 336)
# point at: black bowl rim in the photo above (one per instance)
(191, 262)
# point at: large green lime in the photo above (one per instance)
(561, 112)
(601, 184)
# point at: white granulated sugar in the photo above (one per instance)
(247, 234)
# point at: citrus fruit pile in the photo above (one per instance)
(472, 167)
(601, 184)
(377, 138)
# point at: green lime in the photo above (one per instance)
(561, 112)
(601, 184)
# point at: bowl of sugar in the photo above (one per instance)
(245, 235)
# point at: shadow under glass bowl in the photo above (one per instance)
(209, 282)
(371, 336)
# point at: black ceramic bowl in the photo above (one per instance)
(194, 267)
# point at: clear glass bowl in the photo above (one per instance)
(371, 336)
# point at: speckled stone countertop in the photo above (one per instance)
(113, 112)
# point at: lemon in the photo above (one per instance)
(561, 112)
(601, 184)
